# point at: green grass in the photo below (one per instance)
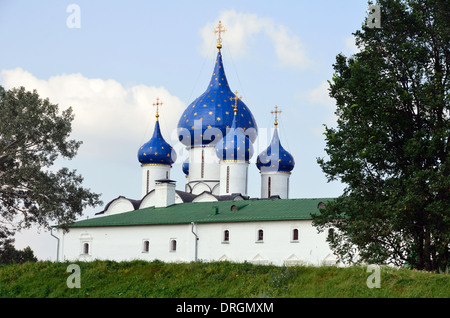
(214, 280)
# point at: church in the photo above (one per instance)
(212, 218)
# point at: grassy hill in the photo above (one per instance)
(213, 280)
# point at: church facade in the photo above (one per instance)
(213, 218)
(277, 231)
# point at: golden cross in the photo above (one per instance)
(235, 101)
(276, 112)
(157, 104)
(219, 29)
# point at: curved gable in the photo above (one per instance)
(205, 197)
(119, 205)
(148, 200)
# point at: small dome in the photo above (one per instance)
(157, 150)
(206, 120)
(235, 146)
(186, 167)
(275, 157)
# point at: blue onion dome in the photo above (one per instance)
(275, 157)
(157, 150)
(185, 167)
(235, 146)
(206, 120)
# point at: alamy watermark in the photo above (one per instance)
(374, 19)
(74, 279)
(73, 21)
(374, 280)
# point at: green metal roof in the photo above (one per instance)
(212, 212)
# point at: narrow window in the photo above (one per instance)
(148, 180)
(287, 189)
(173, 245)
(260, 235)
(226, 236)
(86, 248)
(246, 179)
(295, 234)
(167, 174)
(268, 187)
(203, 164)
(146, 247)
(228, 179)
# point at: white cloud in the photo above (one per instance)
(350, 45)
(288, 48)
(320, 96)
(109, 117)
(241, 32)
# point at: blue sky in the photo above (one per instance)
(127, 53)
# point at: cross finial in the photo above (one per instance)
(219, 29)
(276, 112)
(235, 101)
(157, 104)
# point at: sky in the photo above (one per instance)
(110, 60)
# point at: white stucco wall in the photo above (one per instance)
(155, 172)
(279, 184)
(203, 157)
(126, 243)
(237, 177)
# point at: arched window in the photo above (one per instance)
(260, 235)
(269, 187)
(226, 236)
(86, 248)
(146, 247)
(295, 234)
(148, 180)
(173, 245)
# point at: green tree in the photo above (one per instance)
(9, 255)
(392, 139)
(32, 136)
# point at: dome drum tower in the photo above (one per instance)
(275, 183)
(204, 124)
(275, 165)
(156, 157)
(203, 171)
(234, 152)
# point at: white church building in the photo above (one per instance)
(213, 218)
